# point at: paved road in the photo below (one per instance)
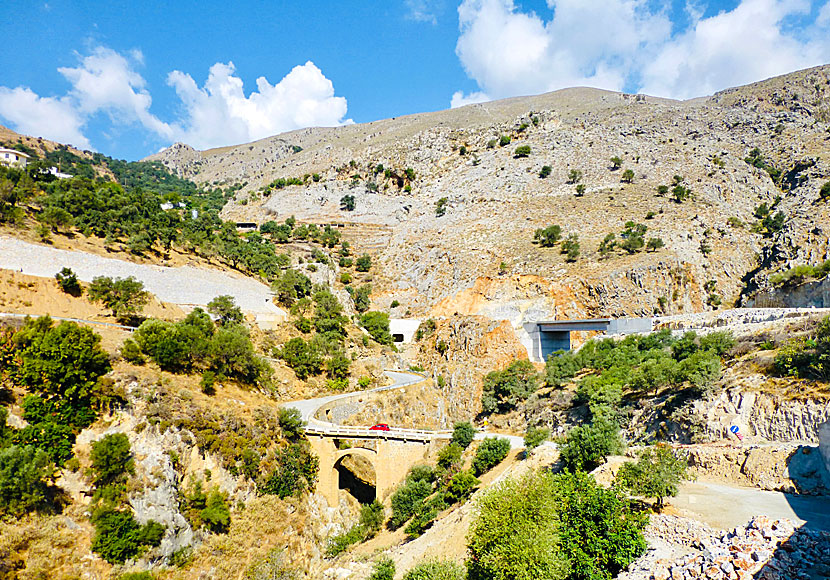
(725, 506)
(186, 285)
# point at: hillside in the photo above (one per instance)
(479, 258)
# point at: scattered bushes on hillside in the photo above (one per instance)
(798, 274)
(806, 357)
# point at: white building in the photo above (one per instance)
(12, 157)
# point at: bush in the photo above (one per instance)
(119, 537)
(719, 342)
(515, 534)
(522, 151)
(361, 298)
(627, 176)
(371, 517)
(112, 459)
(347, 203)
(337, 544)
(657, 473)
(291, 423)
(654, 244)
(68, 282)
(535, 436)
(616, 163)
(463, 434)
(449, 457)
(545, 171)
(384, 569)
(587, 446)
(131, 352)
(504, 140)
(294, 472)
(490, 453)
(25, 477)
(460, 487)
(824, 192)
(216, 516)
(291, 286)
(377, 324)
(549, 236)
(304, 357)
(436, 570)
(441, 207)
(570, 247)
(407, 499)
(504, 390)
(363, 263)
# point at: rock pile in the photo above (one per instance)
(763, 550)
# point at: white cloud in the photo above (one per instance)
(421, 10)
(217, 114)
(220, 113)
(49, 117)
(626, 44)
(459, 99)
(105, 81)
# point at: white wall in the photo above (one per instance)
(405, 326)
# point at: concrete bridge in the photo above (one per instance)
(390, 453)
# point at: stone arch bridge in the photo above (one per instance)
(391, 453)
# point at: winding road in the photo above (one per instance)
(309, 409)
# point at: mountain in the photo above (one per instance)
(765, 143)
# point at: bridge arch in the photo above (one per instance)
(347, 477)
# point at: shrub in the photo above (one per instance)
(436, 570)
(627, 176)
(294, 472)
(112, 459)
(607, 245)
(549, 236)
(824, 192)
(361, 298)
(119, 537)
(126, 297)
(208, 383)
(384, 569)
(719, 342)
(580, 189)
(463, 434)
(535, 436)
(657, 473)
(291, 286)
(363, 263)
(25, 477)
(515, 534)
(545, 171)
(570, 247)
(490, 453)
(377, 324)
(131, 352)
(616, 163)
(225, 310)
(291, 423)
(347, 203)
(441, 207)
(587, 446)
(371, 517)
(461, 486)
(522, 151)
(216, 516)
(654, 244)
(304, 357)
(504, 140)
(407, 500)
(449, 457)
(504, 390)
(336, 545)
(68, 282)
(394, 304)
(574, 176)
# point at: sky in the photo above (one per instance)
(129, 78)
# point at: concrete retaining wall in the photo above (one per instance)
(824, 444)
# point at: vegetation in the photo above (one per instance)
(441, 207)
(548, 237)
(369, 524)
(436, 570)
(490, 453)
(68, 282)
(522, 151)
(126, 297)
(616, 163)
(545, 171)
(347, 203)
(377, 324)
(627, 176)
(463, 434)
(363, 263)
(384, 569)
(574, 176)
(587, 446)
(119, 537)
(807, 357)
(799, 274)
(756, 158)
(657, 473)
(824, 192)
(112, 459)
(535, 436)
(570, 247)
(26, 476)
(504, 140)
(225, 310)
(504, 390)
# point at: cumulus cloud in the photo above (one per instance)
(219, 113)
(43, 116)
(631, 45)
(459, 99)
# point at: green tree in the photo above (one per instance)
(361, 298)
(126, 297)
(599, 534)
(824, 192)
(616, 163)
(112, 459)
(216, 516)
(291, 286)
(26, 474)
(545, 171)
(62, 363)
(232, 355)
(56, 218)
(461, 486)
(627, 176)
(226, 311)
(587, 446)
(295, 471)
(363, 263)
(68, 282)
(449, 457)
(304, 357)
(654, 244)
(504, 390)
(522, 151)
(657, 473)
(574, 176)
(436, 570)
(347, 203)
(490, 453)
(570, 247)
(515, 535)
(377, 324)
(119, 537)
(607, 245)
(463, 434)
(337, 366)
(549, 236)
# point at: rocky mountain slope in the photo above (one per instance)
(479, 257)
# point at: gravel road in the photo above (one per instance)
(186, 285)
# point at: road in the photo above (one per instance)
(726, 507)
(308, 409)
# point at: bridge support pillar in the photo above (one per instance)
(327, 476)
(395, 458)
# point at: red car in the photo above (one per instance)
(379, 427)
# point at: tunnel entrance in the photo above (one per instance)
(356, 475)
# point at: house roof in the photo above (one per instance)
(15, 151)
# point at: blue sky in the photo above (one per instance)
(128, 78)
